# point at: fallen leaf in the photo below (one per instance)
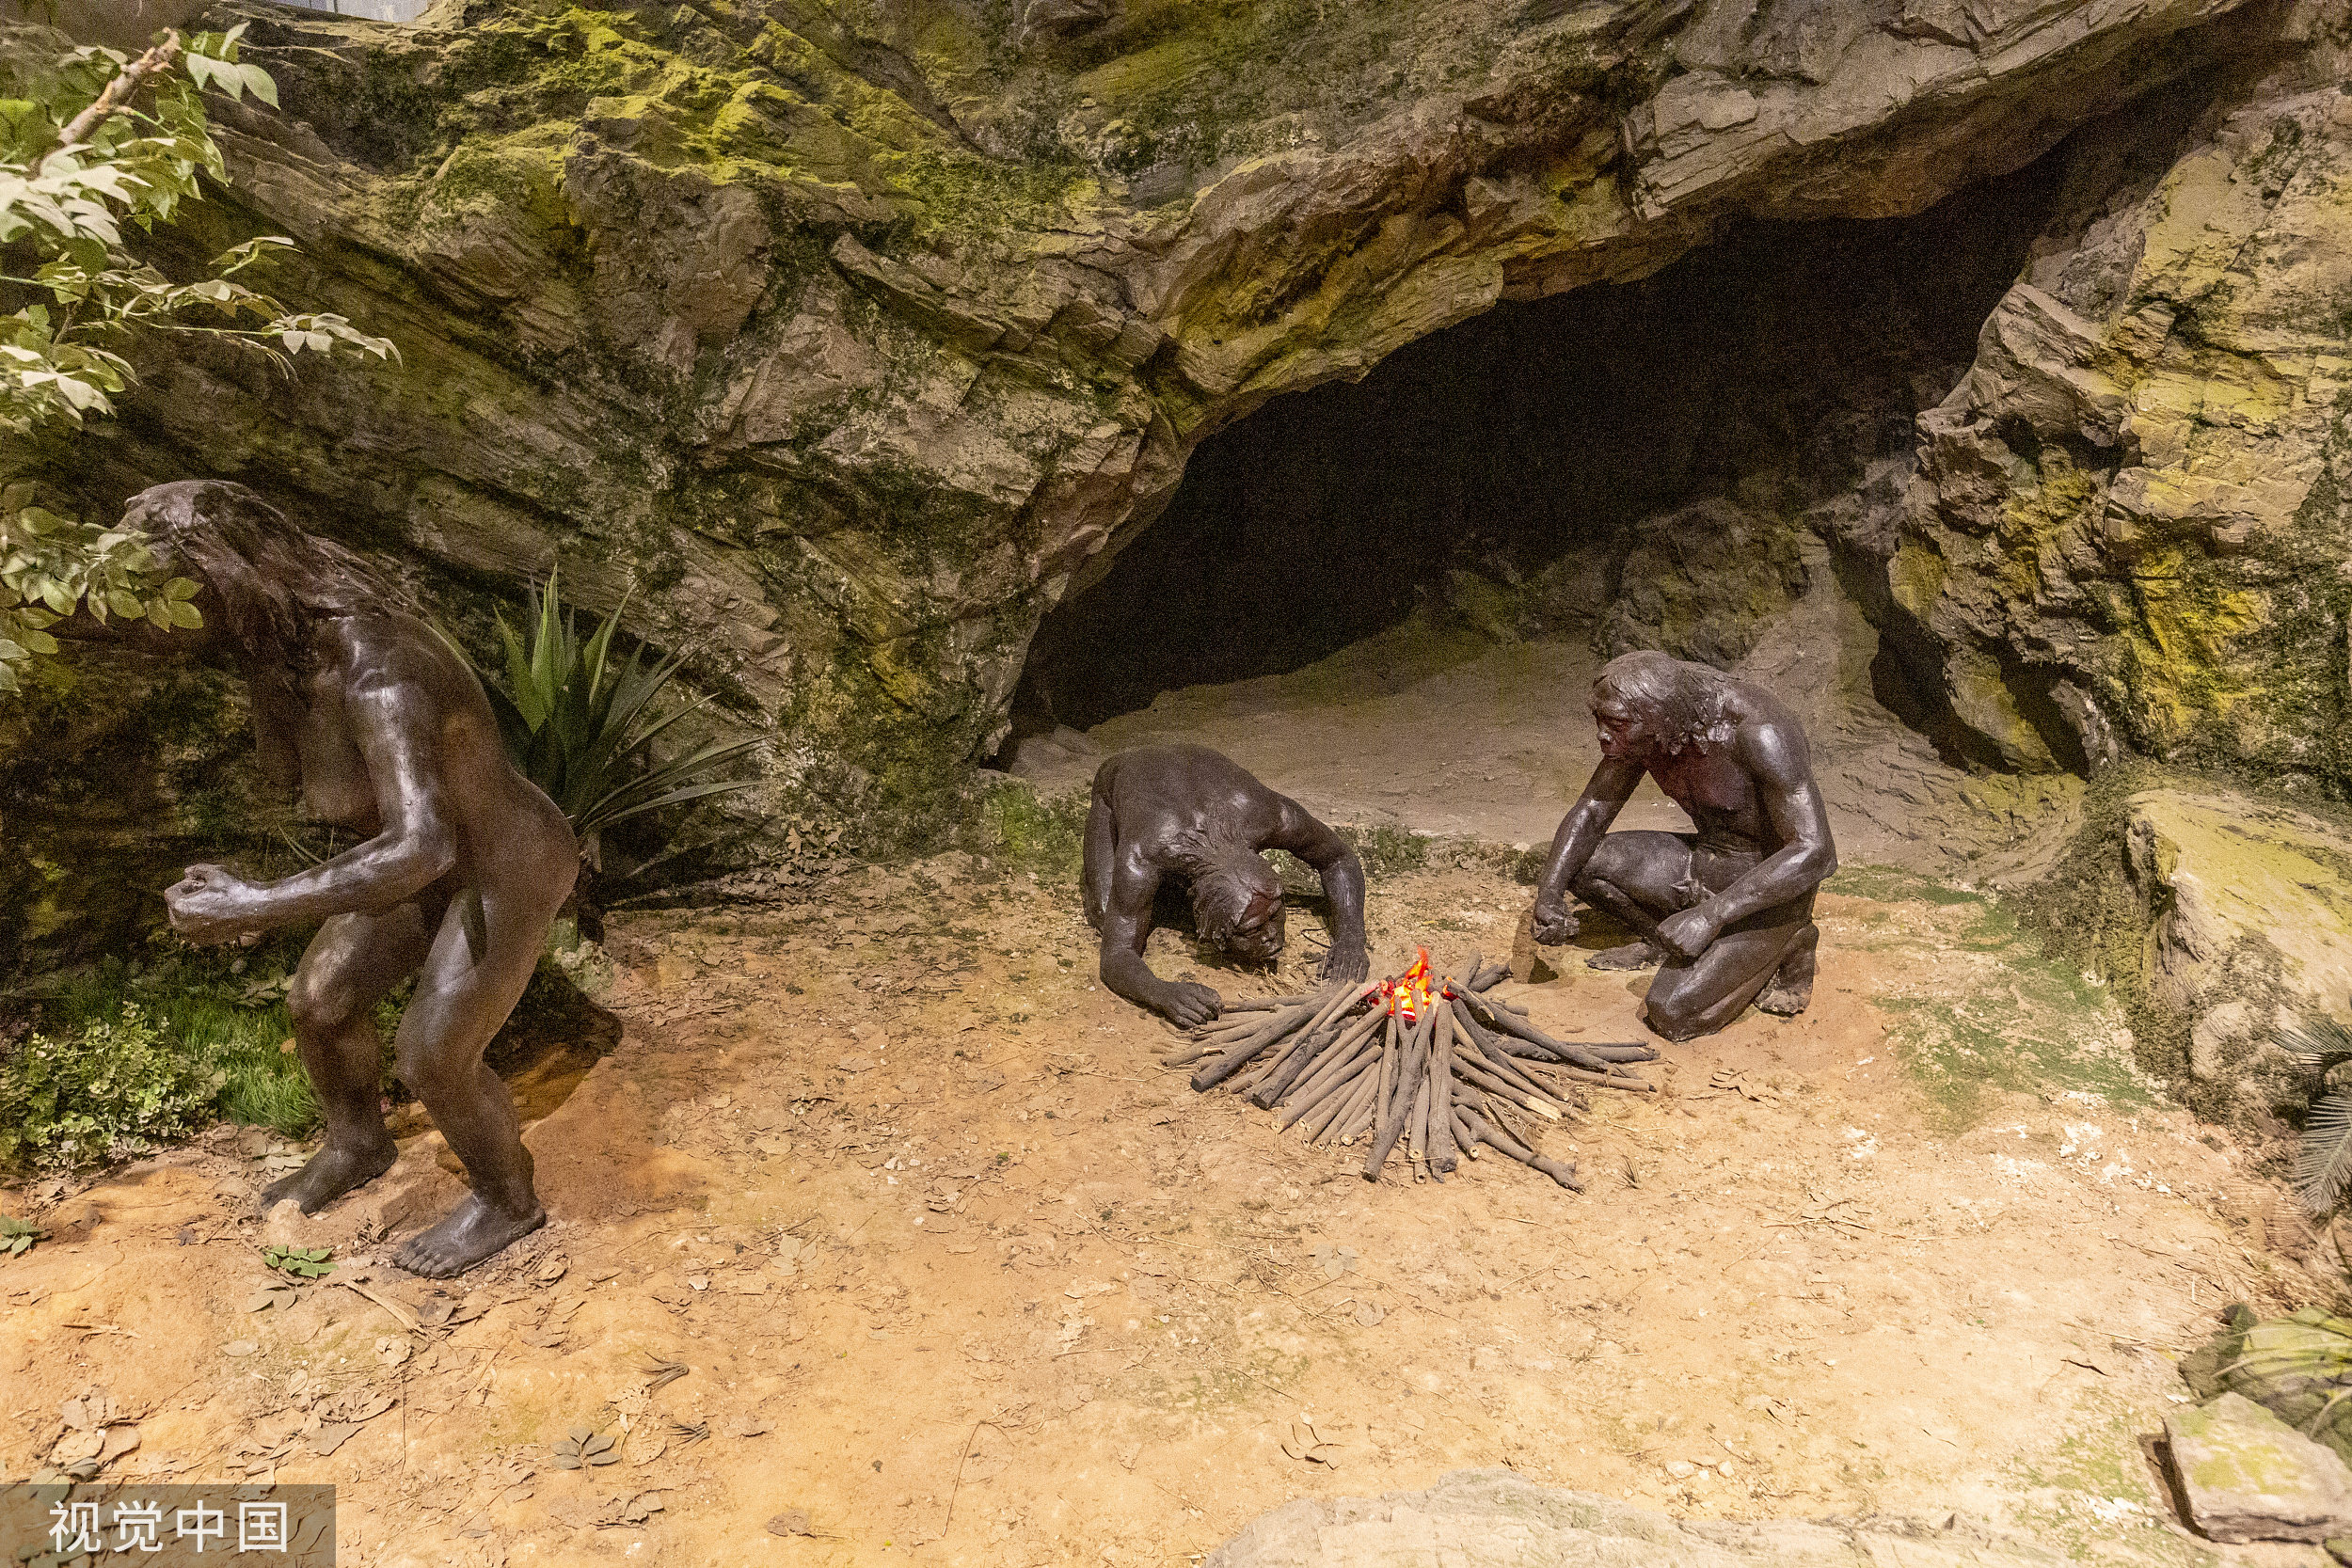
(330, 1436)
(1370, 1313)
(238, 1347)
(792, 1521)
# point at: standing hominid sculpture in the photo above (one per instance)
(383, 729)
(1185, 811)
(1728, 911)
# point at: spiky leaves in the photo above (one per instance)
(578, 720)
(2324, 1168)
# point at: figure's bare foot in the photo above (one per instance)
(1792, 990)
(327, 1175)
(465, 1236)
(1633, 954)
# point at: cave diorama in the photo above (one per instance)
(1098, 781)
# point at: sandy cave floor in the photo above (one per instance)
(960, 1274)
(1441, 729)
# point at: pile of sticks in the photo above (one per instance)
(1432, 1065)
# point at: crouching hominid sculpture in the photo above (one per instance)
(383, 729)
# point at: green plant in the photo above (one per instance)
(119, 1086)
(82, 161)
(576, 720)
(299, 1263)
(18, 1236)
(2323, 1168)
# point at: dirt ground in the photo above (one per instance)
(957, 1273)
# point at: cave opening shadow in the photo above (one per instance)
(1519, 460)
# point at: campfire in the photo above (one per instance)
(1427, 1064)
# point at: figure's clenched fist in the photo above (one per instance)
(1554, 924)
(1190, 1005)
(1689, 932)
(1347, 966)
(209, 904)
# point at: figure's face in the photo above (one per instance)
(1626, 729)
(1259, 937)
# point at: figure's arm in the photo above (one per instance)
(1126, 923)
(416, 845)
(1580, 833)
(1100, 847)
(1298, 832)
(1776, 757)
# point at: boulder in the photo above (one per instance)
(2249, 912)
(2245, 1475)
(1497, 1519)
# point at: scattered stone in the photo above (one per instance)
(2245, 1475)
(1496, 1519)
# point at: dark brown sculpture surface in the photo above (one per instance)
(385, 730)
(1727, 910)
(1188, 812)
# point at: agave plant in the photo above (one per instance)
(2324, 1169)
(577, 720)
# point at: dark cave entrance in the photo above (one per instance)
(1543, 468)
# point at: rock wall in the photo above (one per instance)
(847, 339)
(2129, 528)
(855, 335)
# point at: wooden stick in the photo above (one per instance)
(1441, 1156)
(1262, 1004)
(1624, 1081)
(1361, 1106)
(1324, 1113)
(1339, 1062)
(1498, 1061)
(1400, 1102)
(1217, 1071)
(1498, 1019)
(1329, 1087)
(1495, 1138)
(1537, 1101)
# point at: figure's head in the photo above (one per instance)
(1238, 906)
(262, 581)
(1648, 703)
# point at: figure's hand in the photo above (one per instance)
(1189, 1005)
(1689, 933)
(1554, 924)
(211, 904)
(1346, 965)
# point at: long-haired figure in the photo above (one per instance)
(1728, 911)
(383, 729)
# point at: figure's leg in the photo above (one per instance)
(1634, 876)
(1702, 994)
(459, 1006)
(1791, 989)
(349, 966)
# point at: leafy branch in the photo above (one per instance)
(95, 145)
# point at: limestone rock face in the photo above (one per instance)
(2129, 525)
(2249, 916)
(853, 338)
(1494, 1519)
(2249, 1475)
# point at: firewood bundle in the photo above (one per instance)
(1431, 1065)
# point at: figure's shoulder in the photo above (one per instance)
(1182, 768)
(1766, 733)
(383, 654)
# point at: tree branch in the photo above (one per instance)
(85, 125)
